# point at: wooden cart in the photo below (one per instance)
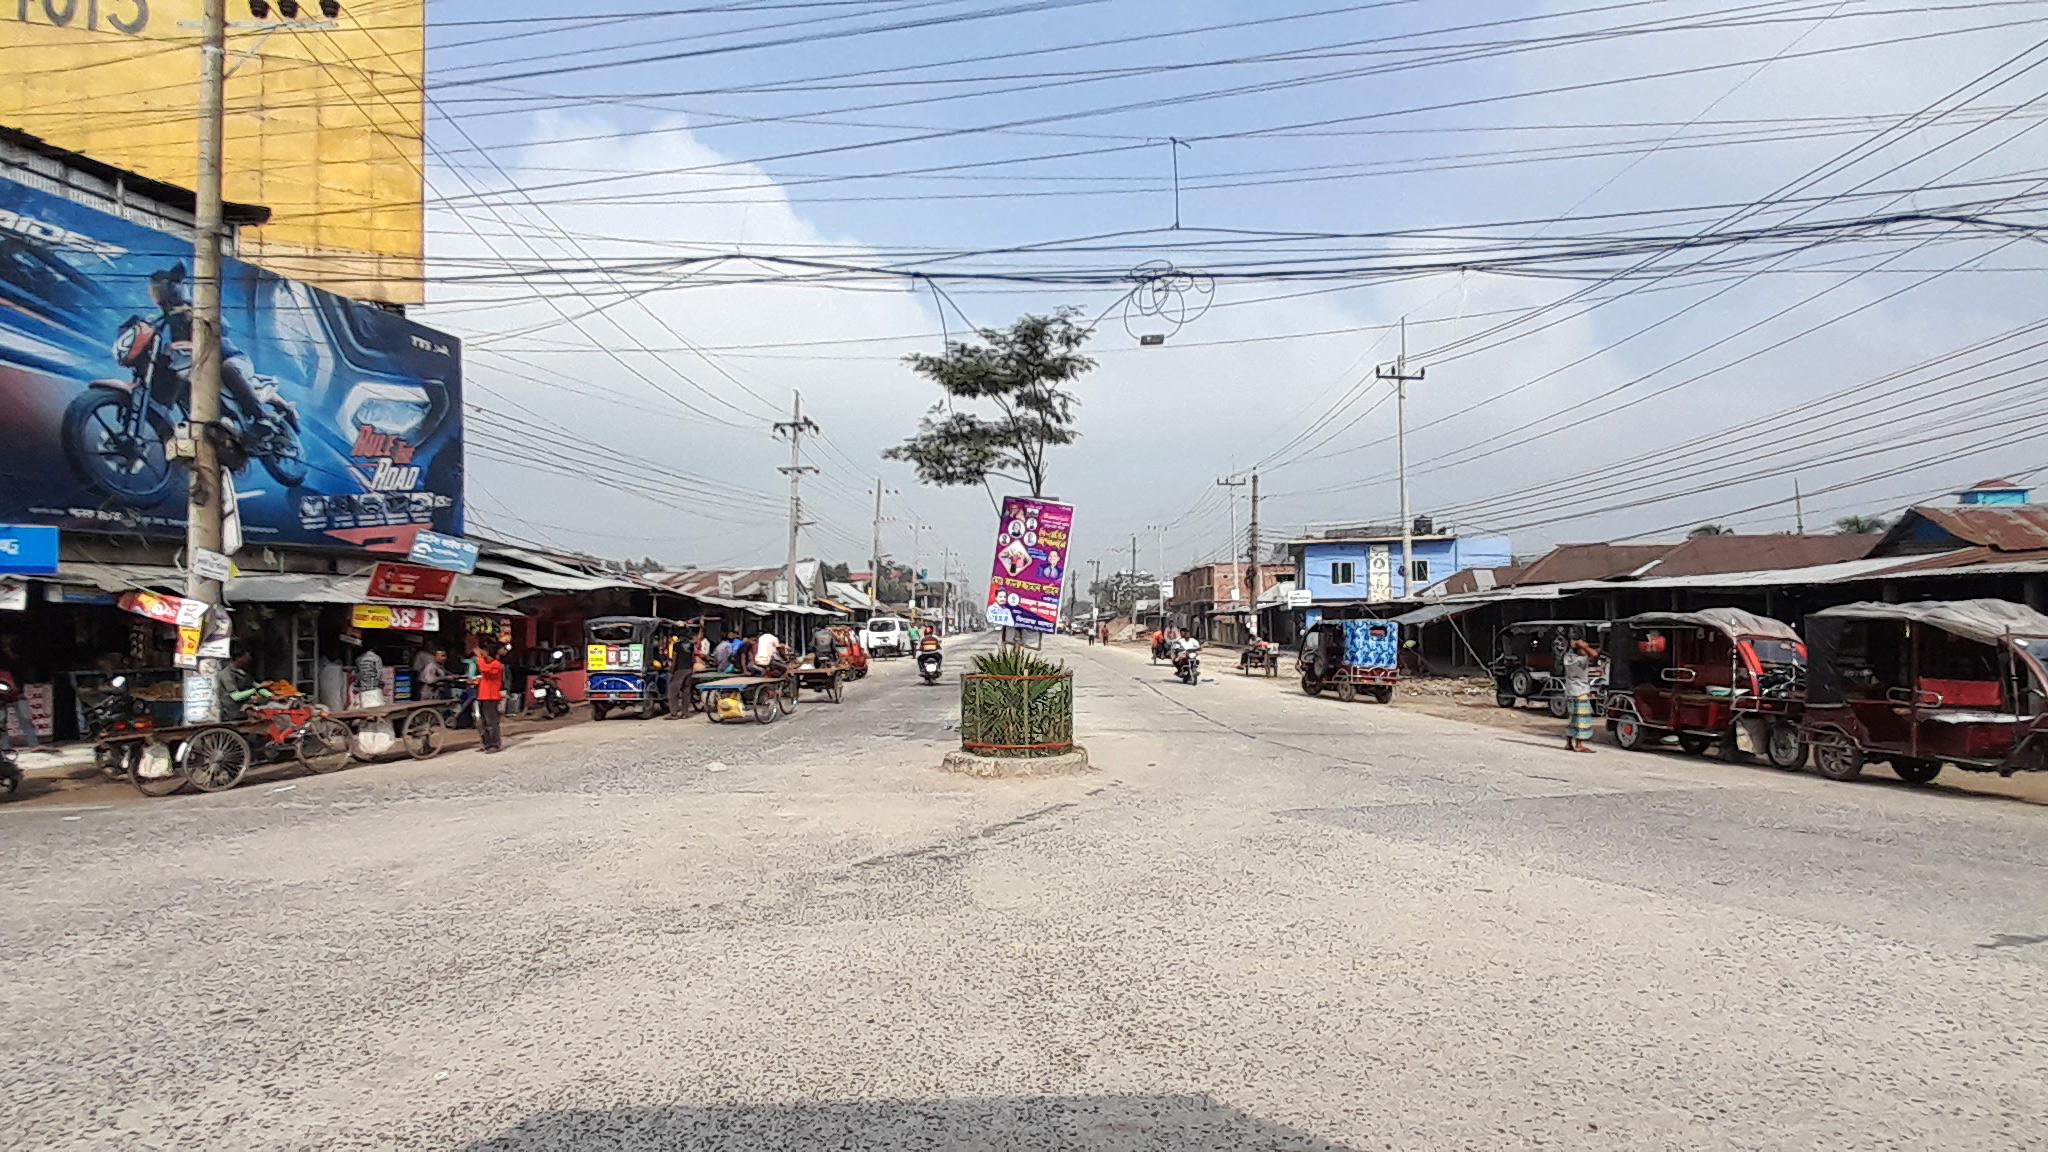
(421, 726)
(214, 757)
(764, 696)
(829, 681)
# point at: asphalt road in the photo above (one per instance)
(1266, 922)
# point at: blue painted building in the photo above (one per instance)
(1992, 492)
(1363, 566)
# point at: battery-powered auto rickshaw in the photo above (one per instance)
(1926, 684)
(1351, 656)
(628, 661)
(1719, 675)
(1530, 661)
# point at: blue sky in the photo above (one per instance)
(1161, 424)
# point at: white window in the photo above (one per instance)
(1343, 572)
(1421, 573)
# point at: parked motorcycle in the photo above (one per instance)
(10, 764)
(117, 433)
(929, 665)
(547, 688)
(113, 712)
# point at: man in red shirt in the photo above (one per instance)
(490, 691)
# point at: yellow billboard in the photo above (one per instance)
(325, 121)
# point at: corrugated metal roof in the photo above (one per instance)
(117, 577)
(2007, 528)
(1572, 562)
(1705, 555)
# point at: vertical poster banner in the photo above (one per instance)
(1030, 576)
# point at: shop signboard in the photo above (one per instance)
(42, 708)
(356, 437)
(198, 698)
(437, 551)
(173, 610)
(1379, 573)
(1300, 598)
(27, 549)
(212, 565)
(393, 583)
(1030, 576)
(401, 618)
(13, 594)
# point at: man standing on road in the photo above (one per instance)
(490, 692)
(1578, 693)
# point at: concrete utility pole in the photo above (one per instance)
(796, 426)
(1094, 595)
(875, 549)
(1401, 376)
(1252, 553)
(1236, 574)
(1134, 577)
(916, 546)
(203, 479)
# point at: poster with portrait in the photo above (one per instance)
(1029, 579)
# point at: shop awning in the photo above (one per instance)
(552, 578)
(835, 607)
(117, 577)
(1436, 612)
(475, 593)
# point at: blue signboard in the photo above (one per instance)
(27, 550)
(437, 551)
(346, 419)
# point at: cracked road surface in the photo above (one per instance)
(1266, 922)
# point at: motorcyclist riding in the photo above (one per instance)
(1184, 648)
(167, 292)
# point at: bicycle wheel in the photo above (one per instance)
(216, 758)
(323, 745)
(140, 761)
(424, 733)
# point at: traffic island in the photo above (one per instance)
(1016, 720)
(1072, 762)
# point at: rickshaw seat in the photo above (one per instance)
(1963, 693)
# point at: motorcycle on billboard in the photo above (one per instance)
(340, 421)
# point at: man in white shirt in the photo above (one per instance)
(765, 648)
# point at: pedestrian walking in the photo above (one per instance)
(490, 692)
(1578, 692)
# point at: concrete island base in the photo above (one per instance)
(1013, 767)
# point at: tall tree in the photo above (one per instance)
(1861, 525)
(1022, 372)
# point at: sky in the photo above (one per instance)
(1553, 405)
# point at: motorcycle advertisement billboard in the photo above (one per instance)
(341, 422)
(1030, 576)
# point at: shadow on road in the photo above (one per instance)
(1067, 1123)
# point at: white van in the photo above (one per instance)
(886, 636)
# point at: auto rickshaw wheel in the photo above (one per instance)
(1310, 684)
(1916, 772)
(1786, 748)
(766, 704)
(1522, 684)
(1505, 699)
(1694, 744)
(1631, 734)
(1838, 759)
(599, 711)
(1560, 707)
(1384, 693)
(1346, 690)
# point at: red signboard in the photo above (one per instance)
(411, 584)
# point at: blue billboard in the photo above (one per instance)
(342, 422)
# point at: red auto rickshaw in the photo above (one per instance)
(1719, 675)
(1926, 684)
